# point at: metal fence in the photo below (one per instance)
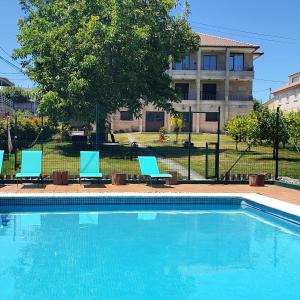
(198, 163)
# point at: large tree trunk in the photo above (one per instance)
(101, 132)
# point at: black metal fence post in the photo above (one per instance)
(97, 142)
(42, 133)
(189, 145)
(217, 167)
(16, 141)
(277, 145)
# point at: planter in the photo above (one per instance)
(60, 177)
(118, 179)
(173, 179)
(257, 180)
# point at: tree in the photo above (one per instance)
(177, 125)
(268, 127)
(293, 126)
(16, 94)
(243, 128)
(113, 53)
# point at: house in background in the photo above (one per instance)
(5, 82)
(6, 105)
(287, 98)
(219, 74)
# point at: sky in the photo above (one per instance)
(273, 25)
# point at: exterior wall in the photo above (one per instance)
(233, 89)
(288, 100)
(240, 90)
(120, 125)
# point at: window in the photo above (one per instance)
(211, 117)
(184, 64)
(183, 90)
(295, 79)
(209, 62)
(236, 62)
(209, 91)
(126, 116)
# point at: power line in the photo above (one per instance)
(11, 73)
(260, 91)
(10, 64)
(245, 35)
(1, 48)
(249, 32)
(270, 80)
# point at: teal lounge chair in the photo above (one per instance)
(89, 165)
(1, 161)
(31, 166)
(149, 168)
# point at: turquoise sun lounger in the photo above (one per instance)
(89, 165)
(1, 160)
(149, 168)
(31, 166)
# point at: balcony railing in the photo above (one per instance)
(212, 96)
(192, 67)
(241, 69)
(213, 69)
(6, 105)
(240, 97)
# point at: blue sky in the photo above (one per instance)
(274, 26)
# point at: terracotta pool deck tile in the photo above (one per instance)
(281, 193)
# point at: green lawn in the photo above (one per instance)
(258, 160)
(65, 156)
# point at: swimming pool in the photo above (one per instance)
(180, 247)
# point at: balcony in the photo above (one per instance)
(214, 73)
(242, 73)
(212, 96)
(240, 97)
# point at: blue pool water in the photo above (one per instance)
(217, 253)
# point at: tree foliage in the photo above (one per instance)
(176, 124)
(111, 52)
(260, 126)
(243, 128)
(30, 128)
(16, 94)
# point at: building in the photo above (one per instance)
(6, 105)
(220, 73)
(5, 82)
(288, 96)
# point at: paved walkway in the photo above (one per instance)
(277, 192)
(183, 171)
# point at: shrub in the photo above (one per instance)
(28, 130)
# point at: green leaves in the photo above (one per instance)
(260, 127)
(114, 52)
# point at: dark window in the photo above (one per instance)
(184, 64)
(183, 90)
(126, 116)
(209, 62)
(209, 91)
(236, 62)
(211, 117)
